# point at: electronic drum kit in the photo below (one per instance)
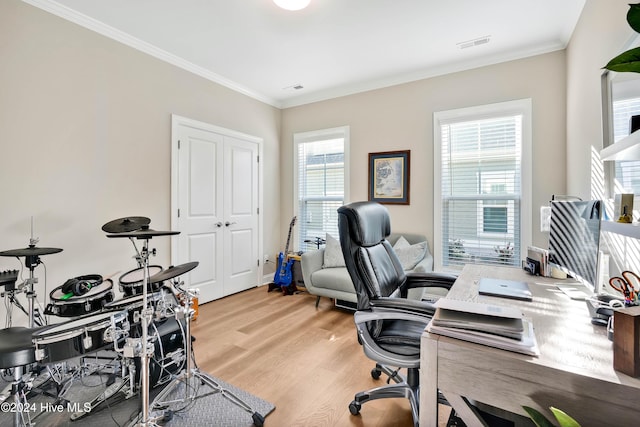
(148, 329)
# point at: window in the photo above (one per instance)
(481, 163)
(626, 173)
(322, 160)
(494, 219)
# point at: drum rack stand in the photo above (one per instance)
(38, 320)
(143, 348)
(191, 376)
(33, 313)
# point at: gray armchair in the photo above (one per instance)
(389, 325)
(335, 282)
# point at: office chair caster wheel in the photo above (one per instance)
(376, 373)
(354, 408)
(258, 420)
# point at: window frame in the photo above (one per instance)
(316, 136)
(517, 107)
(612, 185)
(607, 189)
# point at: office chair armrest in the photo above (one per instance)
(421, 308)
(365, 316)
(430, 280)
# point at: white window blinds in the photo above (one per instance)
(320, 185)
(481, 191)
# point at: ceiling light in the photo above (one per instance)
(292, 4)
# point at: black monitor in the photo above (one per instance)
(574, 239)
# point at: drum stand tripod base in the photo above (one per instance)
(191, 378)
(191, 382)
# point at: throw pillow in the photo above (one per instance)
(401, 243)
(409, 255)
(333, 253)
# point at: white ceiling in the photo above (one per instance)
(332, 48)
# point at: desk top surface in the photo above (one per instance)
(563, 329)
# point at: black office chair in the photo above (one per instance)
(389, 326)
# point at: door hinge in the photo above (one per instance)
(258, 211)
(257, 159)
(258, 262)
(178, 213)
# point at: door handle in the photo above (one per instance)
(229, 223)
(218, 224)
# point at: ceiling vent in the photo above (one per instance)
(474, 42)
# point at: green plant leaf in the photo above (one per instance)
(564, 419)
(539, 419)
(628, 61)
(633, 17)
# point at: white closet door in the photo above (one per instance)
(216, 182)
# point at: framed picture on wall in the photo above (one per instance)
(389, 177)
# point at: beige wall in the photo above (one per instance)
(85, 133)
(600, 35)
(401, 117)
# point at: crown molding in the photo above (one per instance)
(89, 23)
(423, 74)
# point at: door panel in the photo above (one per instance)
(241, 207)
(205, 276)
(202, 178)
(240, 262)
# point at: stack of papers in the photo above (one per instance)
(491, 325)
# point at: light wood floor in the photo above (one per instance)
(306, 361)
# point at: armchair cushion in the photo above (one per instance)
(333, 279)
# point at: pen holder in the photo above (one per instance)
(626, 341)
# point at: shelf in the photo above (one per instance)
(629, 230)
(628, 148)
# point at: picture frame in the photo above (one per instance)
(389, 177)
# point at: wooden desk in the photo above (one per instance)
(574, 371)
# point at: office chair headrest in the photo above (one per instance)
(369, 222)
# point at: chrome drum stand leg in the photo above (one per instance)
(142, 347)
(192, 374)
(137, 228)
(22, 414)
(147, 348)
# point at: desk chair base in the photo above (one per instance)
(408, 388)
